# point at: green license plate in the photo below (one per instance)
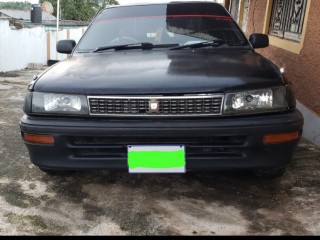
(156, 159)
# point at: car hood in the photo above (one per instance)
(160, 72)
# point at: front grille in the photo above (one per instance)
(195, 105)
(196, 147)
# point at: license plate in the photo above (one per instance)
(156, 159)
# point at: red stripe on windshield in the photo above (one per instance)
(169, 16)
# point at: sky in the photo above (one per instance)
(120, 1)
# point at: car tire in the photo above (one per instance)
(54, 172)
(269, 173)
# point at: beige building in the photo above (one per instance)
(294, 32)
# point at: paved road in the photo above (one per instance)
(104, 203)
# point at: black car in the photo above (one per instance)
(162, 88)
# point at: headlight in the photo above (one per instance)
(255, 101)
(59, 103)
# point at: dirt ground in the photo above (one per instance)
(109, 203)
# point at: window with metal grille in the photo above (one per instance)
(287, 18)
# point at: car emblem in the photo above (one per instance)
(154, 106)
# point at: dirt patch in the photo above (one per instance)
(9, 74)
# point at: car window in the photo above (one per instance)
(162, 24)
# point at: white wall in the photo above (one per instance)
(311, 129)
(54, 55)
(18, 48)
(76, 34)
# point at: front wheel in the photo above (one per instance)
(269, 173)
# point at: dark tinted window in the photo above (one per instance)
(181, 23)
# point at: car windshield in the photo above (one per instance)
(163, 24)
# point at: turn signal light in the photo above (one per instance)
(42, 139)
(281, 138)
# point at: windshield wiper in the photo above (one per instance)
(143, 46)
(213, 43)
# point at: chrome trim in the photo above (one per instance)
(157, 97)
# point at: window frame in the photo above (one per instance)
(286, 44)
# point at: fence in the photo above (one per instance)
(19, 48)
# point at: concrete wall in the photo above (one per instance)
(311, 129)
(18, 48)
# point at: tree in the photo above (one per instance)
(102, 4)
(80, 10)
(15, 5)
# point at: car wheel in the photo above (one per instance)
(54, 172)
(269, 172)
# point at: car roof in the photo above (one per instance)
(160, 3)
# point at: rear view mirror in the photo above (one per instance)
(259, 40)
(66, 46)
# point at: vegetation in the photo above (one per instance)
(15, 5)
(80, 10)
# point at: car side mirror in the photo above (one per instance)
(66, 46)
(259, 40)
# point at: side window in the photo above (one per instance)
(287, 18)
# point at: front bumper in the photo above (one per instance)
(216, 143)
